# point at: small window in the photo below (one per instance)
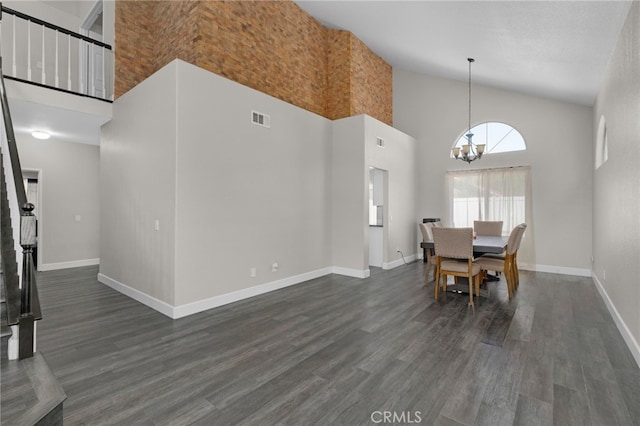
(497, 137)
(602, 143)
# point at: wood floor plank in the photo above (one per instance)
(532, 412)
(334, 350)
(570, 407)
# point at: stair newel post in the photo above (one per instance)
(27, 241)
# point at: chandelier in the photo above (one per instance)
(470, 151)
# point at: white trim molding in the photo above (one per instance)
(356, 273)
(400, 262)
(562, 270)
(631, 342)
(71, 264)
(224, 299)
(157, 304)
(186, 309)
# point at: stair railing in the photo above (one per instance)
(43, 54)
(29, 310)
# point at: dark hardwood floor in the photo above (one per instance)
(338, 350)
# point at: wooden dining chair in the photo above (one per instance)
(454, 256)
(427, 235)
(522, 229)
(507, 263)
(488, 227)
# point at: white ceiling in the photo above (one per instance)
(557, 49)
(62, 124)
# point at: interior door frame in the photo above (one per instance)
(84, 65)
(40, 245)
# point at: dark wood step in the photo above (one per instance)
(31, 394)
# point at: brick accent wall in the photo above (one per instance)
(371, 79)
(338, 93)
(134, 47)
(272, 46)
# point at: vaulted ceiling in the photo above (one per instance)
(558, 49)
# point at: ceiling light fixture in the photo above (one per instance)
(39, 134)
(470, 151)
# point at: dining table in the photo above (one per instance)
(482, 244)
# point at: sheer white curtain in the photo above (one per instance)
(490, 194)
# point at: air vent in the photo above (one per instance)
(260, 119)
(380, 141)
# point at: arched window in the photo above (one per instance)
(497, 137)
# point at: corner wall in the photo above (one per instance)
(232, 198)
(354, 151)
(138, 188)
(247, 196)
(616, 204)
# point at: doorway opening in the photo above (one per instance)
(33, 187)
(378, 228)
(91, 56)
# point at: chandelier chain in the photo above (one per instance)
(470, 61)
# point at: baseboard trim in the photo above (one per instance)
(157, 304)
(71, 264)
(631, 342)
(399, 262)
(187, 309)
(224, 299)
(562, 270)
(348, 272)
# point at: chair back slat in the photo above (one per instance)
(456, 243)
(522, 229)
(488, 227)
(515, 238)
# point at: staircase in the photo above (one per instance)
(8, 266)
(30, 393)
(5, 330)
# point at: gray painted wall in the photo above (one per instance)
(247, 196)
(354, 151)
(616, 204)
(138, 187)
(231, 196)
(558, 137)
(69, 176)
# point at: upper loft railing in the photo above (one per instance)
(44, 54)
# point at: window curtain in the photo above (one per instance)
(492, 194)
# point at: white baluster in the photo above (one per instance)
(81, 72)
(104, 76)
(92, 72)
(29, 50)
(44, 77)
(57, 71)
(13, 50)
(68, 62)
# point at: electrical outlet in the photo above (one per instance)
(253, 272)
(604, 274)
(397, 250)
(275, 267)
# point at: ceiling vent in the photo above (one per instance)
(260, 119)
(380, 142)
